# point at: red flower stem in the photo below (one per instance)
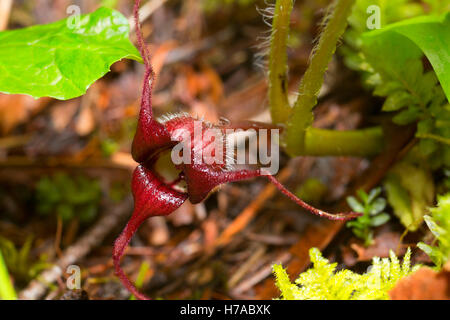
(140, 38)
(146, 105)
(300, 202)
(120, 245)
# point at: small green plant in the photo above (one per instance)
(323, 282)
(7, 291)
(19, 262)
(109, 147)
(68, 197)
(439, 225)
(410, 190)
(413, 92)
(372, 206)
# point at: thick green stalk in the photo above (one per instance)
(311, 83)
(356, 143)
(7, 291)
(278, 65)
(301, 137)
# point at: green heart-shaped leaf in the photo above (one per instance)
(62, 59)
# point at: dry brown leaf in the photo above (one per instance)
(183, 216)
(159, 232)
(159, 55)
(205, 111)
(85, 123)
(124, 159)
(16, 109)
(62, 114)
(212, 83)
(424, 284)
(210, 232)
(380, 248)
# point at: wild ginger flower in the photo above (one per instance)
(154, 194)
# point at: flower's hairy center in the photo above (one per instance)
(207, 142)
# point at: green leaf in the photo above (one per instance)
(406, 116)
(354, 204)
(379, 220)
(377, 206)
(65, 211)
(427, 146)
(7, 291)
(355, 224)
(386, 88)
(410, 191)
(429, 34)
(432, 36)
(62, 59)
(434, 228)
(433, 252)
(363, 196)
(439, 225)
(375, 192)
(396, 101)
(390, 11)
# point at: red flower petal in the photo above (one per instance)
(201, 179)
(151, 138)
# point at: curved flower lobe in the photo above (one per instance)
(151, 198)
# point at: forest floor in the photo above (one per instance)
(208, 63)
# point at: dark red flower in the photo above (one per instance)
(154, 194)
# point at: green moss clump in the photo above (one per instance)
(323, 282)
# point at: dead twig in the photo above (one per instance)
(79, 250)
(14, 141)
(244, 268)
(120, 160)
(247, 215)
(260, 275)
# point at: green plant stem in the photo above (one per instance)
(357, 143)
(145, 266)
(7, 291)
(278, 65)
(302, 139)
(434, 137)
(311, 83)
